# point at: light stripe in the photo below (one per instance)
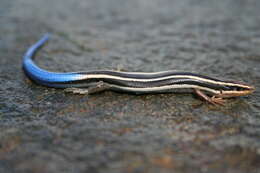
(107, 76)
(164, 88)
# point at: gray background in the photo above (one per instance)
(47, 130)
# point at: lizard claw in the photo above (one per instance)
(217, 100)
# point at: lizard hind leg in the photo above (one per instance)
(77, 90)
(92, 89)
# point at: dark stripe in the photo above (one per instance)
(146, 76)
(138, 84)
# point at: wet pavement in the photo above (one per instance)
(48, 130)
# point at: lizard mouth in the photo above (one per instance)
(238, 91)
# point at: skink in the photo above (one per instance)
(210, 89)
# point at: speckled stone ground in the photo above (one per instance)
(45, 130)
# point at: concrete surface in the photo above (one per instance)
(47, 130)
